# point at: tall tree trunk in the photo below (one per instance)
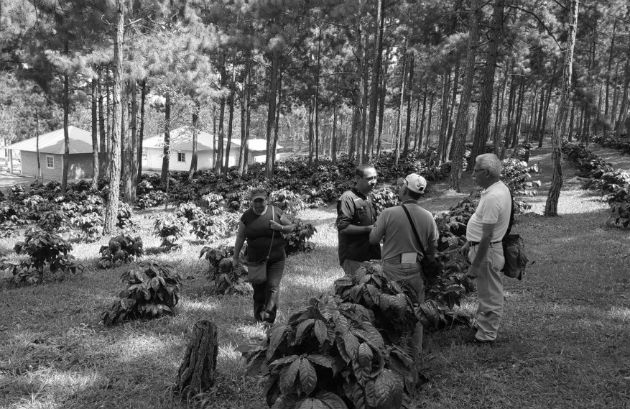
(229, 131)
(133, 152)
(108, 131)
(533, 110)
(446, 152)
(143, 95)
(376, 76)
(364, 85)
(66, 136)
(95, 161)
(381, 108)
(242, 160)
(220, 141)
(400, 110)
(571, 122)
(543, 127)
(510, 115)
(431, 102)
(424, 110)
(277, 121)
(516, 132)
(615, 103)
(311, 132)
(166, 154)
(195, 138)
(333, 142)
(444, 113)
(111, 210)
(482, 125)
(461, 124)
(39, 165)
(608, 75)
(319, 45)
(551, 206)
(101, 126)
(125, 141)
(271, 111)
(409, 99)
(498, 122)
(620, 127)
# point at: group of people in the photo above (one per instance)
(408, 234)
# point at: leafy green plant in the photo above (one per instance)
(224, 277)
(46, 250)
(297, 239)
(169, 229)
(120, 249)
(332, 355)
(152, 291)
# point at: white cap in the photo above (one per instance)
(416, 183)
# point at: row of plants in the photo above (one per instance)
(622, 145)
(613, 183)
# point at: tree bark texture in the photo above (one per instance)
(66, 136)
(551, 206)
(484, 113)
(143, 95)
(166, 153)
(461, 124)
(271, 111)
(197, 372)
(376, 77)
(95, 161)
(111, 211)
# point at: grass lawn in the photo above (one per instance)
(564, 341)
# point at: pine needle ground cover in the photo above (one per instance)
(563, 343)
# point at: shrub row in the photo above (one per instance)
(614, 183)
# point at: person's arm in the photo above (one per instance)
(482, 247)
(377, 233)
(238, 245)
(285, 225)
(345, 215)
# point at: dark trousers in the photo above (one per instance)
(266, 294)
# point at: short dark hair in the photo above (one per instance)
(360, 170)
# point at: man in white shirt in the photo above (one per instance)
(484, 233)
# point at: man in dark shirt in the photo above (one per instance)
(356, 215)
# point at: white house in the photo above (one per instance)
(181, 150)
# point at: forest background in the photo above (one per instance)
(322, 77)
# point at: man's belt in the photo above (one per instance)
(474, 243)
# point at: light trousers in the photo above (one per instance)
(489, 291)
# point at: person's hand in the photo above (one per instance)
(274, 225)
(463, 250)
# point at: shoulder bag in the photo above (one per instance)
(513, 250)
(430, 268)
(257, 271)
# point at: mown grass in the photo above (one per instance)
(563, 342)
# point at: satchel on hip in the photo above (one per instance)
(430, 268)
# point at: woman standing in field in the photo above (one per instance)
(262, 226)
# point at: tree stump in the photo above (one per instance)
(197, 373)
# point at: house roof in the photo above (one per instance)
(181, 140)
(53, 142)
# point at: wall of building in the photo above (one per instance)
(152, 160)
(80, 166)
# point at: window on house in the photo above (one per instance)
(145, 154)
(181, 157)
(50, 162)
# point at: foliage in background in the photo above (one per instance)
(224, 278)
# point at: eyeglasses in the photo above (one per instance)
(371, 178)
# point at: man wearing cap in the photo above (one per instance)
(484, 233)
(356, 215)
(401, 251)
